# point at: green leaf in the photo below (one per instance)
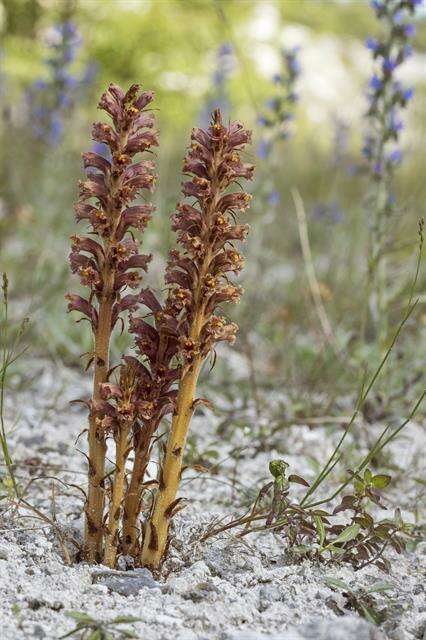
(319, 525)
(378, 587)
(359, 486)
(347, 534)
(80, 616)
(123, 619)
(381, 481)
(368, 476)
(369, 614)
(335, 582)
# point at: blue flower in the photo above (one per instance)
(274, 198)
(409, 30)
(408, 94)
(395, 157)
(375, 83)
(378, 168)
(372, 44)
(101, 149)
(398, 17)
(389, 65)
(264, 149)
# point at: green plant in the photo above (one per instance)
(314, 533)
(11, 350)
(88, 628)
(362, 600)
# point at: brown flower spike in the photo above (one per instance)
(199, 279)
(108, 262)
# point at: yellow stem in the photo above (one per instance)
(155, 541)
(133, 497)
(93, 539)
(121, 452)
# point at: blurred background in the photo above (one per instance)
(294, 71)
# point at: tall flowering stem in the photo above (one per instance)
(49, 99)
(277, 116)
(198, 276)
(218, 97)
(387, 98)
(107, 262)
(158, 370)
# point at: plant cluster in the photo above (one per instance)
(89, 628)
(361, 600)
(175, 336)
(318, 533)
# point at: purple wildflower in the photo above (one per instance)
(49, 99)
(278, 109)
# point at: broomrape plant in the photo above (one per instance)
(162, 375)
(199, 284)
(108, 266)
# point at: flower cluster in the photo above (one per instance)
(278, 114)
(198, 273)
(112, 263)
(143, 395)
(387, 96)
(48, 100)
(217, 97)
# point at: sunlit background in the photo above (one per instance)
(56, 59)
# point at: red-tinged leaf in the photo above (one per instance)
(298, 480)
(77, 303)
(346, 503)
(127, 303)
